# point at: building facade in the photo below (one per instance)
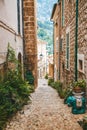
(42, 58)
(30, 37)
(18, 27)
(10, 29)
(71, 23)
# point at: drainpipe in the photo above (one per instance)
(53, 50)
(23, 40)
(76, 43)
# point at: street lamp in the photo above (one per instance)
(41, 56)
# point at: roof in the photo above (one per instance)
(54, 8)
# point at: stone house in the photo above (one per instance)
(42, 58)
(70, 38)
(50, 66)
(18, 27)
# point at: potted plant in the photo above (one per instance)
(79, 86)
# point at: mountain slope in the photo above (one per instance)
(45, 27)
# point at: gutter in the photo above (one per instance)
(23, 40)
(53, 51)
(76, 43)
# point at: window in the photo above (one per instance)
(81, 62)
(61, 44)
(80, 65)
(18, 15)
(67, 51)
(62, 12)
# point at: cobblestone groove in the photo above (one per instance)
(46, 112)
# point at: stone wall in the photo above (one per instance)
(30, 40)
(68, 75)
(70, 22)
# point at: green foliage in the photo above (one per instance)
(59, 87)
(42, 33)
(46, 76)
(11, 54)
(46, 25)
(31, 88)
(79, 83)
(50, 81)
(29, 77)
(14, 91)
(44, 11)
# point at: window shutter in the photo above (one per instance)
(67, 51)
(62, 12)
(18, 15)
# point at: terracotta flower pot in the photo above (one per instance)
(77, 89)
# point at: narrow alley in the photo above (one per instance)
(45, 112)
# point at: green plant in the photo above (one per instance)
(46, 76)
(62, 93)
(82, 83)
(50, 81)
(14, 91)
(79, 83)
(29, 77)
(58, 86)
(52, 84)
(79, 86)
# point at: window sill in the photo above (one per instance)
(68, 70)
(81, 71)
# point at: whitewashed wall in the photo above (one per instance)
(9, 28)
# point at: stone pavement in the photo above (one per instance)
(46, 112)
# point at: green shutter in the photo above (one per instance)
(61, 42)
(18, 15)
(62, 12)
(67, 51)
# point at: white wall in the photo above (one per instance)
(8, 21)
(8, 13)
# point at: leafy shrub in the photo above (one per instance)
(52, 84)
(14, 91)
(59, 87)
(50, 81)
(29, 77)
(46, 76)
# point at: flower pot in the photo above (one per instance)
(77, 89)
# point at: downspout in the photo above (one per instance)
(23, 40)
(53, 50)
(76, 43)
(59, 39)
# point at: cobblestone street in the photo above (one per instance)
(46, 112)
